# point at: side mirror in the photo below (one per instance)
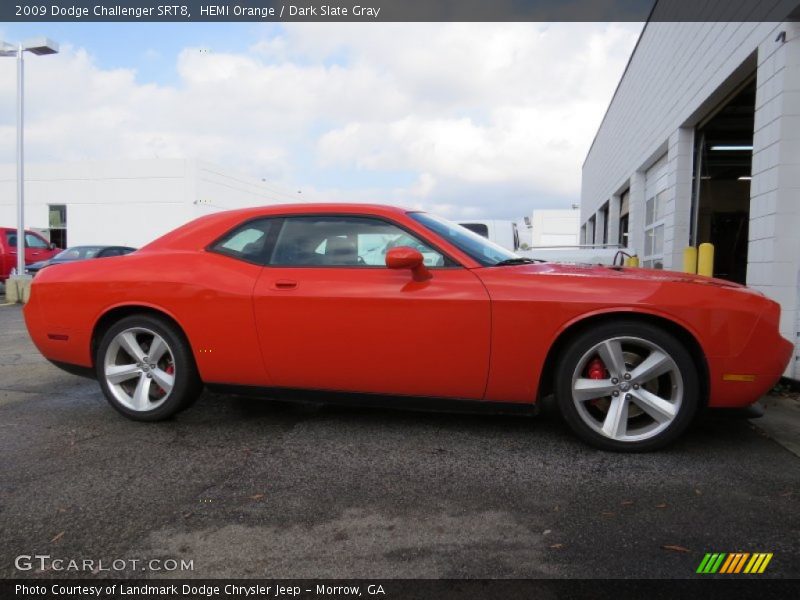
(404, 257)
(52, 245)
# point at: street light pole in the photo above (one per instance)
(39, 46)
(20, 161)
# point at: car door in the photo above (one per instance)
(331, 315)
(36, 248)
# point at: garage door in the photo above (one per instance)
(656, 193)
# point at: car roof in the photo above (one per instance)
(206, 228)
(317, 207)
(88, 246)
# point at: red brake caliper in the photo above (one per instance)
(169, 369)
(596, 370)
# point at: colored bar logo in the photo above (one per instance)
(734, 563)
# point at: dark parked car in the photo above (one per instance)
(77, 253)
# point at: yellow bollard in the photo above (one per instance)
(705, 260)
(690, 259)
(632, 261)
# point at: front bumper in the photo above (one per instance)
(740, 380)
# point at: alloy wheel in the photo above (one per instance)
(627, 389)
(139, 369)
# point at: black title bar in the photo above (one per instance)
(397, 10)
(712, 588)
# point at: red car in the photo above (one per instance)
(36, 248)
(360, 302)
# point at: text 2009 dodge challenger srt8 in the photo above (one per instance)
(363, 301)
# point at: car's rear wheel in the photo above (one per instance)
(146, 369)
(627, 386)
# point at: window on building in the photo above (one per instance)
(624, 209)
(656, 194)
(604, 232)
(654, 231)
(590, 226)
(58, 224)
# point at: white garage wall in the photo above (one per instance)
(677, 75)
(130, 202)
(108, 202)
(672, 79)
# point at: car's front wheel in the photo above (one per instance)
(627, 386)
(146, 369)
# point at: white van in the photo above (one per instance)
(505, 233)
(500, 232)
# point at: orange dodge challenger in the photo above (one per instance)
(362, 302)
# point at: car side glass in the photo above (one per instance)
(430, 257)
(374, 254)
(33, 241)
(343, 241)
(245, 242)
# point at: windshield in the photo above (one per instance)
(485, 252)
(78, 253)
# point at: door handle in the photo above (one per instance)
(284, 284)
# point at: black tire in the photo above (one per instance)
(577, 350)
(187, 385)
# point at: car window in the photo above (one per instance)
(116, 251)
(78, 253)
(246, 242)
(69, 254)
(11, 239)
(34, 241)
(479, 228)
(482, 250)
(344, 242)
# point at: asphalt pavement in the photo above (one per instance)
(262, 488)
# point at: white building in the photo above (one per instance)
(554, 227)
(126, 202)
(701, 109)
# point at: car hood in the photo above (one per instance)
(618, 273)
(38, 265)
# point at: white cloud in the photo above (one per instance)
(479, 117)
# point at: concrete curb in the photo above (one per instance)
(18, 289)
(781, 420)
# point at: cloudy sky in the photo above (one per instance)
(465, 119)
